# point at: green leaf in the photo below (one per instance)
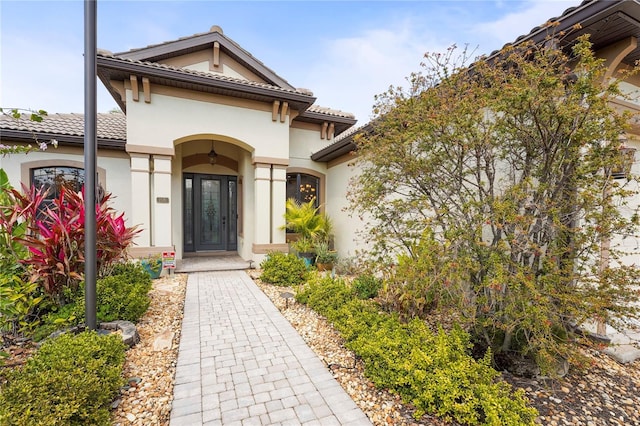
(5, 185)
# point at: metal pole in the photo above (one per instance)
(90, 148)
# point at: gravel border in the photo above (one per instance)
(608, 394)
(149, 401)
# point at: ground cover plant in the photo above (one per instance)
(71, 380)
(433, 371)
(494, 192)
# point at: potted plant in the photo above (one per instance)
(305, 220)
(324, 256)
(304, 248)
(153, 265)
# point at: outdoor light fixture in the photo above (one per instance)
(213, 157)
(627, 154)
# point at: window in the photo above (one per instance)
(303, 188)
(54, 178)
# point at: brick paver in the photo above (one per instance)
(241, 362)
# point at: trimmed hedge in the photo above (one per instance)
(71, 380)
(434, 372)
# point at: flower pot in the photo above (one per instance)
(324, 266)
(153, 267)
(308, 257)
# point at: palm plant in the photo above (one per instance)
(305, 220)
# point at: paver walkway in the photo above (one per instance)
(240, 362)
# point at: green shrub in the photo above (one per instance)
(120, 296)
(20, 304)
(71, 380)
(123, 295)
(433, 372)
(61, 317)
(366, 286)
(325, 294)
(283, 269)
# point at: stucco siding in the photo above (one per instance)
(347, 226)
(167, 119)
(115, 165)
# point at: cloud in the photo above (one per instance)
(512, 25)
(366, 64)
(47, 76)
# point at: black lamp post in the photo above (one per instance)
(90, 148)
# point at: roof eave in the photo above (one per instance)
(184, 45)
(106, 64)
(584, 14)
(334, 150)
(27, 136)
(341, 123)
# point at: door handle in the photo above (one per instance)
(224, 220)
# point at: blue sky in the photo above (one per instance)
(345, 52)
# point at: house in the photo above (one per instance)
(211, 142)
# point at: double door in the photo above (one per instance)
(210, 212)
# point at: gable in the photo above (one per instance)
(209, 52)
(206, 61)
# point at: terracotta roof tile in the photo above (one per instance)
(109, 126)
(328, 111)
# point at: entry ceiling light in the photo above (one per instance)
(213, 157)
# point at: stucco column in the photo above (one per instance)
(262, 213)
(278, 201)
(140, 194)
(161, 202)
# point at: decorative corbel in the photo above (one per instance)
(146, 89)
(134, 88)
(331, 131)
(283, 112)
(323, 132)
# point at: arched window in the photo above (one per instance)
(54, 178)
(303, 188)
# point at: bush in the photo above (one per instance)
(121, 296)
(366, 286)
(54, 236)
(283, 269)
(20, 304)
(433, 372)
(71, 380)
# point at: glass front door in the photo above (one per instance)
(210, 212)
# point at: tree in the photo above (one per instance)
(491, 186)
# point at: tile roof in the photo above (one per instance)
(214, 29)
(328, 111)
(212, 76)
(109, 126)
(545, 26)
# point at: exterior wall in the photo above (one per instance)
(346, 227)
(115, 176)
(203, 61)
(168, 118)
